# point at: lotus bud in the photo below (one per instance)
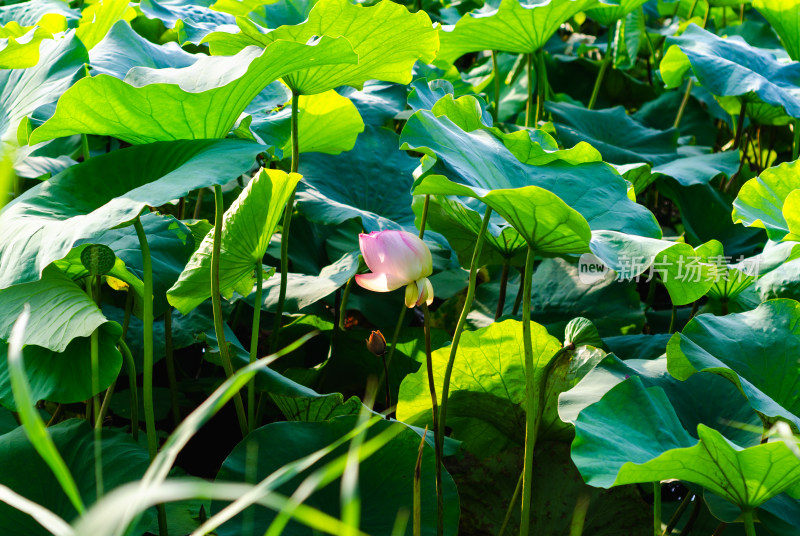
(376, 343)
(396, 259)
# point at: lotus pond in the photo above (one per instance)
(331, 267)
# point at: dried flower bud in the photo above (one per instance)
(376, 343)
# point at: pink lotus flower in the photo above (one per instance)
(397, 258)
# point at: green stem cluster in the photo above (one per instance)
(251, 385)
(531, 397)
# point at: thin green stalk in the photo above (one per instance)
(496, 75)
(462, 322)
(796, 145)
(579, 513)
(657, 508)
(531, 396)
(511, 504)
(740, 126)
(198, 204)
(691, 10)
(98, 423)
(673, 319)
(684, 102)
(501, 299)
(147, 375)
(85, 147)
(216, 301)
(529, 111)
(673, 521)
(93, 288)
(170, 359)
(251, 385)
(417, 504)
(517, 300)
(541, 85)
(287, 222)
(436, 436)
(343, 304)
(601, 74)
(130, 364)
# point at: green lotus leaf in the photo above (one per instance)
(611, 11)
(277, 14)
(756, 350)
(782, 282)
(247, 227)
(771, 201)
(705, 398)
(22, 91)
(326, 123)
(700, 169)
(60, 311)
(386, 36)
(123, 461)
(731, 67)
(123, 49)
(371, 182)
(385, 479)
(198, 106)
(632, 435)
(514, 26)
(477, 162)
(686, 274)
(191, 20)
(733, 278)
(65, 377)
(47, 221)
(22, 51)
(31, 13)
(784, 17)
(98, 18)
(487, 389)
(619, 138)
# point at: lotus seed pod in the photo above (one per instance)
(98, 259)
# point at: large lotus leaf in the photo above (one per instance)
(613, 10)
(731, 67)
(191, 20)
(303, 290)
(487, 389)
(186, 103)
(122, 49)
(372, 182)
(632, 435)
(98, 18)
(45, 222)
(705, 398)
(784, 17)
(686, 274)
(326, 123)
(514, 26)
(123, 461)
(757, 350)
(65, 377)
(771, 201)
(22, 91)
(247, 227)
(276, 14)
(782, 282)
(387, 38)
(377, 102)
(20, 50)
(478, 162)
(29, 13)
(385, 479)
(700, 169)
(619, 138)
(60, 311)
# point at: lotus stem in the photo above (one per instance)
(673, 319)
(579, 513)
(511, 504)
(106, 403)
(496, 76)
(287, 222)
(251, 385)
(501, 299)
(147, 374)
(529, 112)
(740, 125)
(462, 322)
(684, 102)
(343, 304)
(673, 522)
(436, 428)
(531, 396)
(93, 288)
(170, 359)
(541, 84)
(603, 66)
(216, 301)
(796, 145)
(198, 204)
(130, 364)
(657, 508)
(418, 487)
